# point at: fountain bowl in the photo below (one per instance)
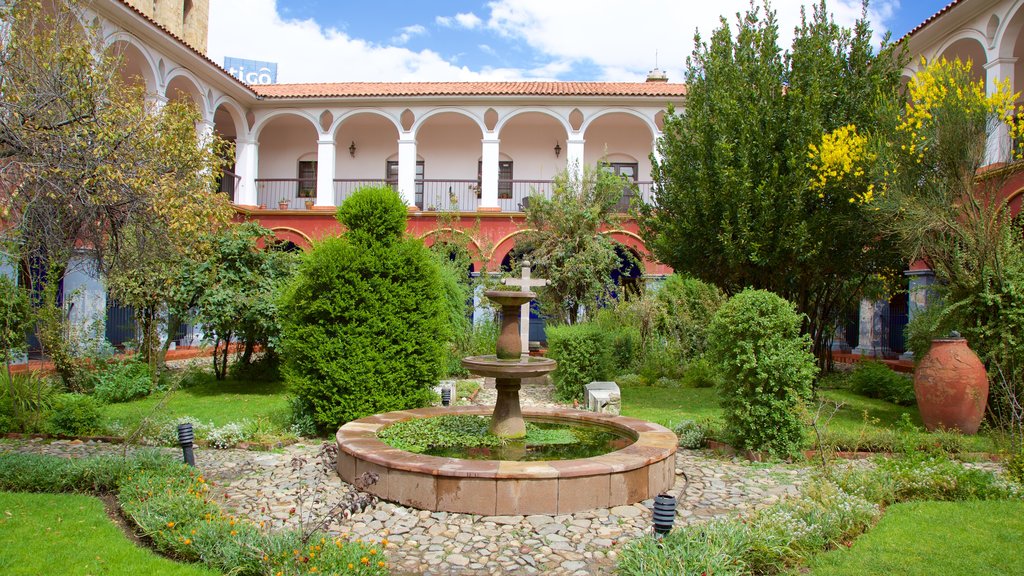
(490, 366)
(635, 473)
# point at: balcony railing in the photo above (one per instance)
(431, 195)
(289, 193)
(448, 195)
(344, 187)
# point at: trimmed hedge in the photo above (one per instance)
(364, 321)
(583, 355)
(766, 371)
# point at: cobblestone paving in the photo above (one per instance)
(287, 487)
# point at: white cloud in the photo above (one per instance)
(623, 43)
(407, 33)
(307, 52)
(560, 35)
(466, 20)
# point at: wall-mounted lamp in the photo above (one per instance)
(352, 149)
(558, 149)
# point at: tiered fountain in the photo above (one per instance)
(641, 470)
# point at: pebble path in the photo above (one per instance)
(288, 486)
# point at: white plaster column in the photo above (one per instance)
(407, 168)
(654, 148)
(574, 153)
(247, 157)
(999, 146)
(489, 173)
(157, 101)
(325, 171)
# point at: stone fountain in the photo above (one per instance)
(640, 471)
(509, 366)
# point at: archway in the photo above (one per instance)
(227, 126)
(135, 68)
(529, 142)
(628, 277)
(287, 170)
(622, 143)
(364, 142)
(446, 178)
(968, 50)
(181, 87)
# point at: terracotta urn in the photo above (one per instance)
(951, 386)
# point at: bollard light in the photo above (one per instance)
(446, 396)
(664, 514)
(186, 437)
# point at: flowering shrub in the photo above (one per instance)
(842, 157)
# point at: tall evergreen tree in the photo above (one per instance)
(740, 202)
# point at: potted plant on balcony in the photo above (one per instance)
(282, 204)
(309, 204)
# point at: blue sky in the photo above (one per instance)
(391, 40)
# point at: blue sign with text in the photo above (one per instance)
(251, 71)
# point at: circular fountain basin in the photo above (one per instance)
(490, 366)
(638, 472)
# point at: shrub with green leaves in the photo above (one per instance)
(582, 353)
(688, 306)
(876, 380)
(691, 434)
(363, 327)
(25, 401)
(121, 380)
(766, 370)
(75, 415)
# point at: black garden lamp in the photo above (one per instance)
(186, 437)
(664, 514)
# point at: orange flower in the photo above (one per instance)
(364, 560)
(170, 524)
(384, 542)
(373, 551)
(188, 541)
(234, 532)
(350, 566)
(381, 564)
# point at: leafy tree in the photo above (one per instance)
(15, 320)
(740, 200)
(364, 321)
(951, 212)
(566, 244)
(85, 161)
(235, 292)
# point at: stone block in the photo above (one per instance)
(582, 493)
(628, 487)
(522, 497)
(412, 489)
(603, 397)
(468, 495)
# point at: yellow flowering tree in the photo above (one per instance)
(88, 164)
(949, 162)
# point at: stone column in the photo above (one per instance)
(873, 332)
(85, 298)
(246, 166)
(407, 168)
(489, 173)
(919, 294)
(574, 153)
(325, 171)
(839, 339)
(999, 147)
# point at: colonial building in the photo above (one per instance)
(469, 156)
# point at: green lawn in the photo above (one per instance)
(71, 534)
(882, 424)
(928, 538)
(211, 401)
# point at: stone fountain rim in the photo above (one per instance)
(653, 443)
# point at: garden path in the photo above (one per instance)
(282, 487)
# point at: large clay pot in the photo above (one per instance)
(951, 386)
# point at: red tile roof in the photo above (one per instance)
(929, 20)
(384, 89)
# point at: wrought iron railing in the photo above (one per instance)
(285, 193)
